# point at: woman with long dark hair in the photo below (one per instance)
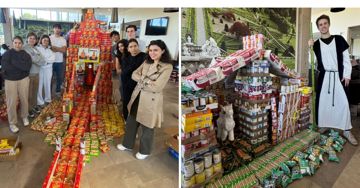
(128, 65)
(146, 104)
(16, 64)
(121, 52)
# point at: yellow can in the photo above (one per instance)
(200, 178)
(209, 172)
(217, 167)
(188, 182)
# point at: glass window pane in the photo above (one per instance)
(73, 17)
(54, 16)
(43, 15)
(102, 17)
(29, 14)
(64, 16)
(17, 12)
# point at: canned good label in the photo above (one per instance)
(200, 177)
(217, 157)
(188, 182)
(208, 160)
(188, 169)
(199, 165)
(217, 167)
(209, 172)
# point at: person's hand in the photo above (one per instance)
(346, 81)
(311, 43)
(118, 71)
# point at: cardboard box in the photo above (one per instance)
(173, 143)
(15, 143)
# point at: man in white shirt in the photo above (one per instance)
(58, 45)
(131, 34)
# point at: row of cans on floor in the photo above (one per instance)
(200, 169)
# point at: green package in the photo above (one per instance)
(313, 167)
(334, 134)
(341, 140)
(332, 156)
(295, 173)
(285, 168)
(285, 180)
(304, 167)
(337, 146)
(290, 163)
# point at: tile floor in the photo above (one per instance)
(112, 169)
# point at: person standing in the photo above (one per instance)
(332, 106)
(122, 52)
(16, 64)
(37, 61)
(58, 45)
(115, 37)
(131, 34)
(45, 71)
(146, 104)
(128, 65)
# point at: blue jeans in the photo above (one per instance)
(58, 71)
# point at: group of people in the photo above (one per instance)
(143, 77)
(28, 70)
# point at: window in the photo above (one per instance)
(102, 17)
(73, 16)
(29, 14)
(17, 13)
(54, 16)
(43, 15)
(64, 16)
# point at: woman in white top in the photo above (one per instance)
(45, 73)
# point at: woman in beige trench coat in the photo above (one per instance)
(146, 103)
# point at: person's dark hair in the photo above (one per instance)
(133, 40)
(114, 33)
(31, 34)
(5, 47)
(19, 38)
(131, 26)
(57, 26)
(322, 17)
(165, 57)
(43, 37)
(119, 54)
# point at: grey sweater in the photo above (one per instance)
(36, 58)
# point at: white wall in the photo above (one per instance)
(171, 38)
(356, 47)
(339, 22)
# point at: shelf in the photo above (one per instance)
(193, 109)
(198, 138)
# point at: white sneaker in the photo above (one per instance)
(14, 129)
(141, 156)
(26, 122)
(350, 137)
(121, 147)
